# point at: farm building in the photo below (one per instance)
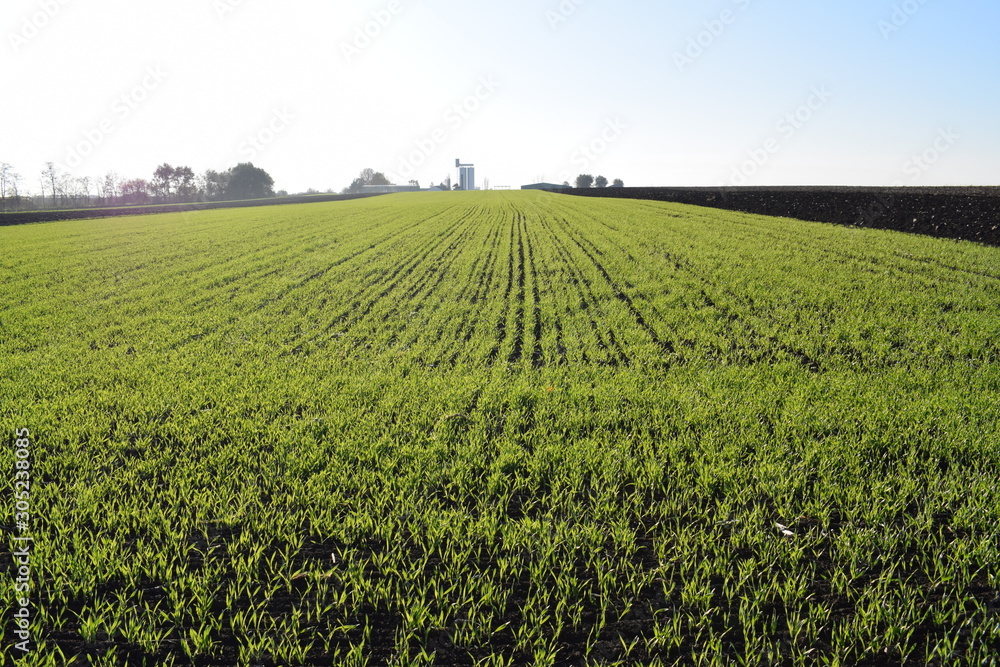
(389, 189)
(544, 186)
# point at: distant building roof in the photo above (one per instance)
(543, 186)
(388, 189)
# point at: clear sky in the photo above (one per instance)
(762, 92)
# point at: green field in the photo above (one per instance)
(501, 429)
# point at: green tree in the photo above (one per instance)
(163, 180)
(249, 182)
(184, 183)
(214, 184)
(601, 182)
(584, 181)
(367, 177)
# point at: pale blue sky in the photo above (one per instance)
(201, 76)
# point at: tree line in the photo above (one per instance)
(369, 176)
(372, 177)
(168, 185)
(366, 177)
(588, 181)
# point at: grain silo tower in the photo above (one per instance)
(466, 175)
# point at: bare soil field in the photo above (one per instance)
(25, 217)
(969, 213)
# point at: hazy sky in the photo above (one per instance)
(761, 92)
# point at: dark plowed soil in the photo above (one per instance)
(972, 214)
(78, 214)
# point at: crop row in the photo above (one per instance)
(503, 428)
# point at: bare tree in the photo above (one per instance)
(66, 185)
(6, 170)
(109, 187)
(135, 191)
(83, 187)
(50, 174)
(14, 179)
